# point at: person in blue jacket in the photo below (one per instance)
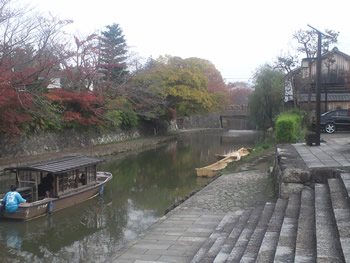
(12, 199)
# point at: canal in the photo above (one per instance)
(144, 186)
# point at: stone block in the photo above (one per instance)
(321, 175)
(295, 175)
(288, 189)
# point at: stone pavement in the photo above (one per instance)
(179, 235)
(334, 151)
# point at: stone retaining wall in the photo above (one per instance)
(291, 174)
(200, 121)
(54, 142)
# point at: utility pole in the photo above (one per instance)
(318, 86)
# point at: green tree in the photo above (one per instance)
(113, 57)
(180, 84)
(267, 99)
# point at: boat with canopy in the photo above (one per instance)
(53, 185)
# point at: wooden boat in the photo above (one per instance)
(211, 170)
(215, 168)
(241, 152)
(74, 180)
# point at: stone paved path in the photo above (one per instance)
(178, 235)
(334, 151)
(232, 192)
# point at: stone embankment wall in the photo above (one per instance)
(54, 142)
(291, 174)
(200, 121)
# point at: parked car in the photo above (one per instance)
(334, 120)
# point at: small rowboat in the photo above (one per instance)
(215, 168)
(57, 184)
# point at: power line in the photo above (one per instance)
(235, 78)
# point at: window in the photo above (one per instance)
(342, 113)
(90, 171)
(66, 181)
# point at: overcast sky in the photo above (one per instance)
(236, 35)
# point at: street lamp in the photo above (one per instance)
(318, 84)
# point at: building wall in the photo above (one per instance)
(332, 72)
(330, 105)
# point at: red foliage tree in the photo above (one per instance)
(26, 54)
(81, 70)
(239, 96)
(81, 107)
(11, 107)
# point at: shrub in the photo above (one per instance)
(290, 126)
(120, 114)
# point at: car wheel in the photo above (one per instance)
(330, 128)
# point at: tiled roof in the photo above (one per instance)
(331, 97)
(60, 165)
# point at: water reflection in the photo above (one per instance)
(144, 185)
(241, 138)
(12, 239)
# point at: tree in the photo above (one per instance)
(239, 92)
(113, 57)
(180, 86)
(288, 63)
(26, 41)
(216, 86)
(78, 108)
(240, 96)
(267, 99)
(308, 41)
(215, 81)
(238, 85)
(81, 70)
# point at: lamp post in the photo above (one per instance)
(318, 85)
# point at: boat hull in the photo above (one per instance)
(215, 168)
(211, 170)
(27, 211)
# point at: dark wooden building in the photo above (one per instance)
(335, 82)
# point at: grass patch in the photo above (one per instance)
(255, 152)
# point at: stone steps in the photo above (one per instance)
(228, 220)
(327, 237)
(346, 180)
(313, 226)
(341, 210)
(242, 242)
(248, 232)
(232, 238)
(305, 249)
(251, 252)
(285, 250)
(267, 249)
(220, 240)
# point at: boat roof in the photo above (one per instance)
(59, 165)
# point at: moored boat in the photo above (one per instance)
(211, 170)
(56, 184)
(215, 168)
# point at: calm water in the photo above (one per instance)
(144, 185)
